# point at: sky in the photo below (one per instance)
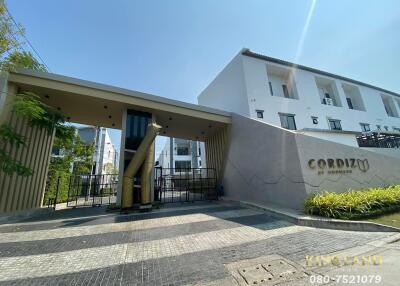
(175, 48)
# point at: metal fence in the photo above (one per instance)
(185, 185)
(379, 140)
(92, 190)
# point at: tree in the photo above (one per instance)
(26, 104)
(10, 35)
(11, 54)
(21, 59)
(75, 158)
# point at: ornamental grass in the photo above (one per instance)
(354, 204)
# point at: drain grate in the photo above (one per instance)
(266, 270)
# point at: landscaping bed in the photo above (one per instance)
(360, 204)
(389, 219)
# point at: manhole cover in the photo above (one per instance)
(266, 270)
(256, 274)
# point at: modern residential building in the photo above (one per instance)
(274, 133)
(181, 154)
(105, 155)
(314, 102)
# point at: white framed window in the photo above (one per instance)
(287, 121)
(365, 127)
(270, 88)
(181, 166)
(260, 113)
(335, 124)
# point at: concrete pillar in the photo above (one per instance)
(145, 179)
(136, 163)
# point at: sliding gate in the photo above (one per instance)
(185, 185)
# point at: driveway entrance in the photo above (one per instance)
(193, 244)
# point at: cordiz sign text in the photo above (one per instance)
(338, 166)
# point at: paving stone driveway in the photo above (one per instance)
(186, 245)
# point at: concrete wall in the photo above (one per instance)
(268, 164)
(338, 137)
(262, 164)
(18, 193)
(383, 170)
(392, 152)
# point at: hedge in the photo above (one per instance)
(354, 204)
(51, 188)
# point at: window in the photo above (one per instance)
(396, 129)
(314, 119)
(353, 96)
(334, 124)
(181, 166)
(378, 127)
(328, 91)
(260, 113)
(199, 163)
(270, 88)
(287, 121)
(386, 128)
(365, 127)
(281, 82)
(285, 91)
(182, 150)
(199, 151)
(349, 103)
(389, 105)
(136, 123)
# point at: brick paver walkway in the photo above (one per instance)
(186, 245)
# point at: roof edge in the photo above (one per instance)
(115, 89)
(247, 52)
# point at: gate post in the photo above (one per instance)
(58, 187)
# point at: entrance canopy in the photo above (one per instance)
(103, 105)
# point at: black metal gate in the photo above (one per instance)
(185, 185)
(92, 190)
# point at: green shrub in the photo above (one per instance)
(354, 204)
(51, 188)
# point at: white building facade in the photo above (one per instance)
(180, 155)
(105, 156)
(295, 97)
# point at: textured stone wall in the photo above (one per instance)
(270, 165)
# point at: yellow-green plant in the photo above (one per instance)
(354, 204)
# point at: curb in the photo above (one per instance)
(14, 217)
(320, 222)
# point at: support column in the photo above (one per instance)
(136, 163)
(146, 176)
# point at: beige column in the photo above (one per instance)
(146, 175)
(136, 162)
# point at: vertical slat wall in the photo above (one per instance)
(19, 193)
(215, 151)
